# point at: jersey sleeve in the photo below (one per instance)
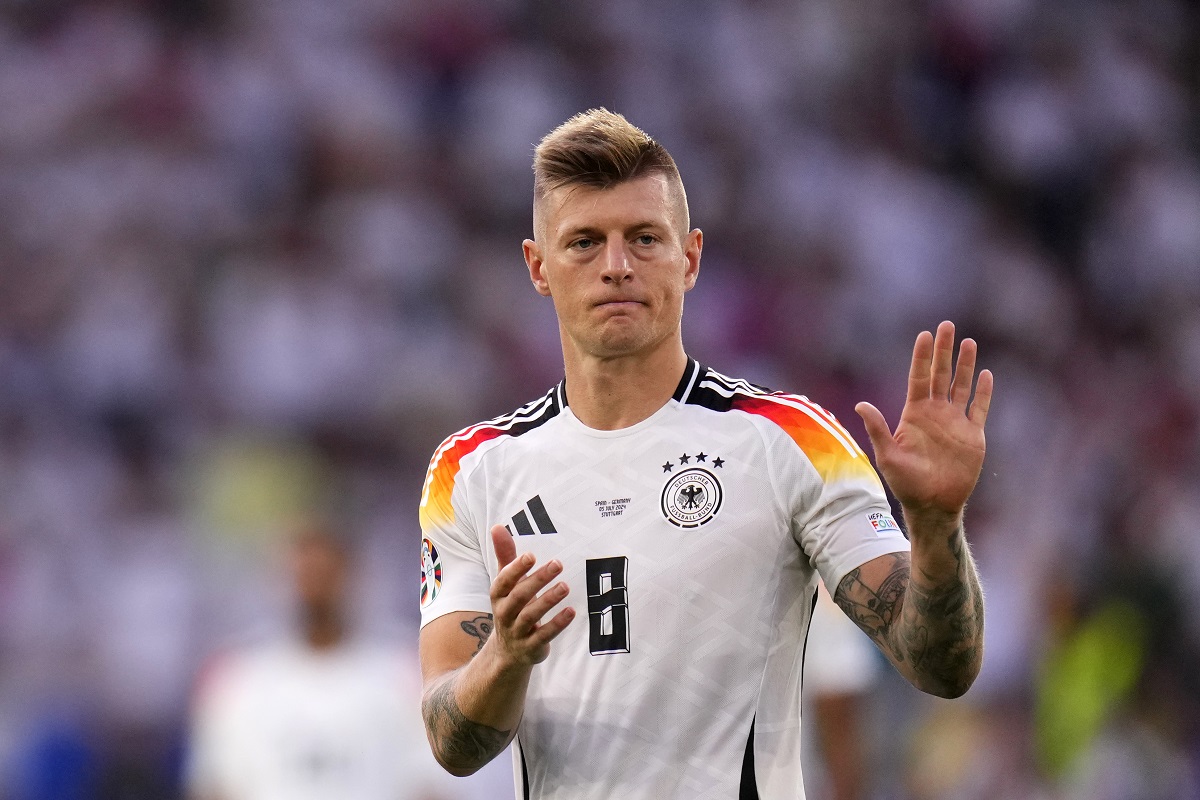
(454, 574)
(839, 512)
(216, 743)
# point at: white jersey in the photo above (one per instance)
(286, 722)
(691, 543)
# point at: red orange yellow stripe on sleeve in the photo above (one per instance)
(436, 507)
(832, 451)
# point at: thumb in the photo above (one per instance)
(877, 428)
(506, 548)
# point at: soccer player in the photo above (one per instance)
(683, 516)
(323, 716)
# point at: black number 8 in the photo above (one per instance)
(608, 605)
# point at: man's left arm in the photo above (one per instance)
(925, 609)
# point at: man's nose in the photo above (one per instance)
(616, 264)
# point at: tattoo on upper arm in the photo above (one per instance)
(876, 610)
(481, 628)
(460, 742)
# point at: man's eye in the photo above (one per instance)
(583, 244)
(646, 239)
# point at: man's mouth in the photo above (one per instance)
(618, 303)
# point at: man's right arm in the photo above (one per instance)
(476, 667)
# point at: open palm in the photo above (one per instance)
(933, 460)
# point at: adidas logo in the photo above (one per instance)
(535, 510)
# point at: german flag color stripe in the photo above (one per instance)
(828, 446)
(436, 506)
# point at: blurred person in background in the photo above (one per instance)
(839, 672)
(321, 717)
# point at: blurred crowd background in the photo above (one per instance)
(258, 258)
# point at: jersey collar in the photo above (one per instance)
(691, 376)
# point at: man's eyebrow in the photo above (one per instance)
(581, 230)
(595, 233)
(650, 225)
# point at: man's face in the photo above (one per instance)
(319, 572)
(616, 262)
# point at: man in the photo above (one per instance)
(684, 515)
(322, 717)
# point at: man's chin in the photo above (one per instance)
(620, 344)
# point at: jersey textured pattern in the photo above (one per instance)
(692, 543)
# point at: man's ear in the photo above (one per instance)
(533, 260)
(692, 246)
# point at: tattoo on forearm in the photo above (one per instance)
(460, 742)
(481, 628)
(935, 629)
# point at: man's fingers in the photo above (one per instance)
(525, 590)
(539, 606)
(983, 398)
(506, 548)
(964, 373)
(877, 428)
(510, 574)
(517, 607)
(919, 371)
(943, 361)
(548, 630)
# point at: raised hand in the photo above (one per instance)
(474, 697)
(925, 608)
(933, 460)
(517, 608)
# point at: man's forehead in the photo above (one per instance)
(575, 205)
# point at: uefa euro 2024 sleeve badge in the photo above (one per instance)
(431, 572)
(693, 495)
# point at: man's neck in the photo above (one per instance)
(323, 630)
(613, 393)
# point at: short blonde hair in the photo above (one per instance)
(599, 148)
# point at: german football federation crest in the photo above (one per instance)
(431, 572)
(692, 497)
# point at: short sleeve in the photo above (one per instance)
(840, 515)
(454, 575)
(216, 744)
(848, 523)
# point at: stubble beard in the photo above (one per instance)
(614, 339)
